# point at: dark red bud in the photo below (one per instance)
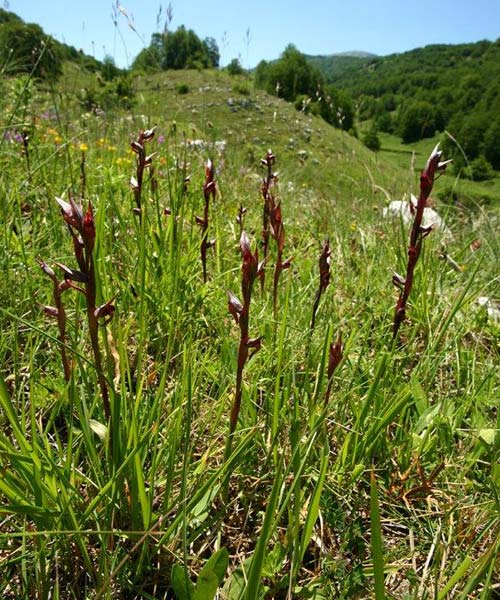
(137, 148)
(47, 270)
(105, 310)
(51, 311)
(148, 134)
(234, 306)
(255, 343)
(88, 229)
(335, 356)
(73, 275)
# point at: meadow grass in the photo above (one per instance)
(379, 481)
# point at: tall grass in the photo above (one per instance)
(356, 467)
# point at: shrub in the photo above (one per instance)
(183, 89)
(235, 68)
(371, 139)
(480, 169)
(417, 120)
(243, 89)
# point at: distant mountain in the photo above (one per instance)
(333, 65)
(356, 53)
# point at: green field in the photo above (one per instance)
(381, 481)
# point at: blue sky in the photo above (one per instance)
(260, 29)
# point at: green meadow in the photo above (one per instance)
(125, 469)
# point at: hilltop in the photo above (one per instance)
(332, 66)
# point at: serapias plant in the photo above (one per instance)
(58, 312)
(433, 166)
(268, 197)
(209, 191)
(278, 233)
(324, 278)
(250, 270)
(240, 219)
(82, 229)
(142, 162)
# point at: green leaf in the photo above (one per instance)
(376, 540)
(218, 564)
(206, 586)
(312, 513)
(183, 586)
(488, 435)
(99, 429)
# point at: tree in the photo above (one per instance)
(212, 52)
(335, 107)
(8, 17)
(289, 76)
(417, 120)
(371, 139)
(109, 68)
(235, 68)
(492, 144)
(180, 49)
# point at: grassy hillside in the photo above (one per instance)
(144, 453)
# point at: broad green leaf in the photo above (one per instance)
(206, 585)
(183, 586)
(488, 435)
(217, 563)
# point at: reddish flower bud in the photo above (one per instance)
(148, 134)
(255, 343)
(209, 188)
(88, 229)
(73, 275)
(51, 311)
(234, 306)
(286, 264)
(149, 159)
(249, 268)
(105, 310)
(335, 356)
(137, 147)
(324, 266)
(47, 270)
(134, 184)
(71, 212)
(398, 280)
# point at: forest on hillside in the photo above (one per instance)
(436, 88)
